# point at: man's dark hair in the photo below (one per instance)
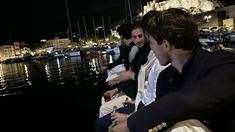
(175, 25)
(124, 30)
(136, 24)
(148, 16)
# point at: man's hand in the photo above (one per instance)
(109, 94)
(118, 118)
(126, 75)
(121, 127)
(128, 101)
(113, 81)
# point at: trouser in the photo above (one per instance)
(102, 124)
(107, 107)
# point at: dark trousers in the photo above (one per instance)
(102, 124)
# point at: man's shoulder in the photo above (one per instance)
(170, 68)
(219, 55)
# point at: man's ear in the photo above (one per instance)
(166, 45)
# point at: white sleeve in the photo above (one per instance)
(132, 53)
(150, 93)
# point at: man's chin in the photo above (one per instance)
(139, 45)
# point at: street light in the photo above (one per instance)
(207, 18)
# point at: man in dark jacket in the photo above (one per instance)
(126, 81)
(124, 30)
(205, 89)
(129, 77)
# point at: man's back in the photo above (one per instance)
(205, 90)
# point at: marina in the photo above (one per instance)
(53, 79)
(52, 93)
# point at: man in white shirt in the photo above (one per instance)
(144, 96)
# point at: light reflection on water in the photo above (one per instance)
(57, 92)
(16, 77)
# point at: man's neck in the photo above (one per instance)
(127, 42)
(179, 57)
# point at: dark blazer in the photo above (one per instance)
(140, 58)
(129, 87)
(205, 91)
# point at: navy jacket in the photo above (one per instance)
(129, 87)
(205, 90)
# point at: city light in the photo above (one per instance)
(207, 18)
(195, 6)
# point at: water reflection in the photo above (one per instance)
(40, 88)
(1, 77)
(16, 77)
(27, 74)
(13, 77)
(58, 66)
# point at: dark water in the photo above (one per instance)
(55, 94)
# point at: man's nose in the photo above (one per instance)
(137, 39)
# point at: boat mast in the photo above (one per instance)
(70, 29)
(94, 29)
(79, 31)
(84, 22)
(129, 6)
(110, 27)
(103, 28)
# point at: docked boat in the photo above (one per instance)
(72, 52)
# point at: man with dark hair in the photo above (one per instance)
(205, 88)
(127, 47)
(146, 92)
(128, 50)
(139, 59)
(126, 81)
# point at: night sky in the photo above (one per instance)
(33, 20)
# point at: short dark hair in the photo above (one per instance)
(136, 24)
(124, 30)
(176, 26)
(147, 16)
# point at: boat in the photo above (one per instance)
(43, 56)
(57, 52)
(72, 52)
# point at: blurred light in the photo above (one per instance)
(43, 40)
(207, 18)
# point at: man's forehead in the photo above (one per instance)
(137, 31)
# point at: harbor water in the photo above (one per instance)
(55, 94)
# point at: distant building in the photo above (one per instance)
(57, 42)
(207, 13)
(230, 17)
(195, 6)
(17, 48)
(6, 51)
(221, 17)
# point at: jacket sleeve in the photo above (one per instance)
(209, 94)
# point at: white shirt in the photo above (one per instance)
(149, 94)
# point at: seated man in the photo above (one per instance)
(127, 47)
(204, 89)
(144, 97)
(126, 81)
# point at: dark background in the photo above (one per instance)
(32, 20)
